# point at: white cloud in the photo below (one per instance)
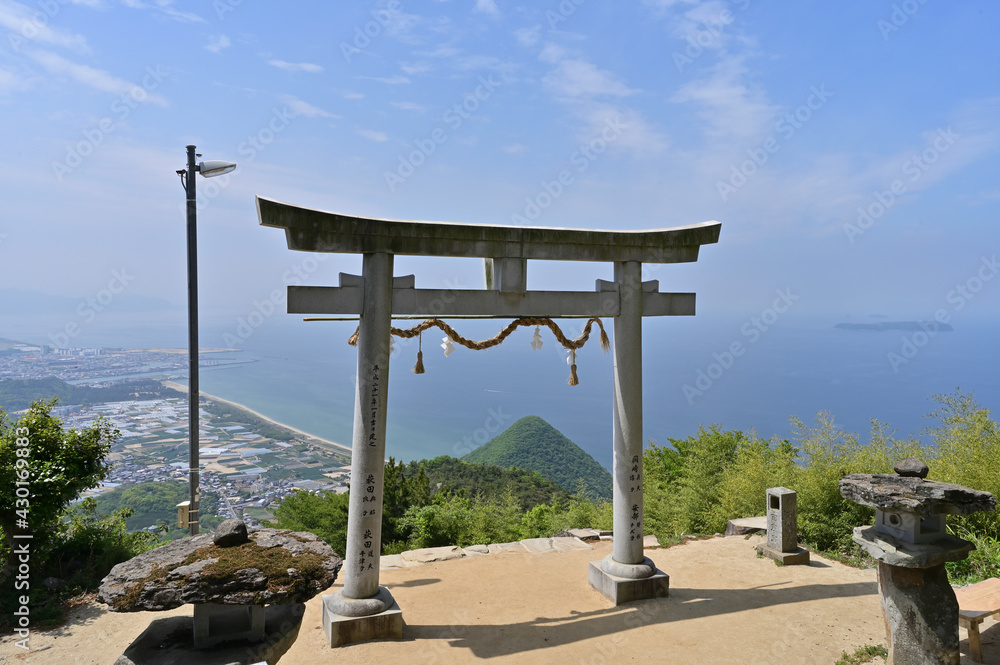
(730, 108)
(216, 44)
(487, 7)
(415, 67)
(372, 135)
(514, 149)
(296, 66)
(9, 81)
(165, 7)
(578, 78)
(391, 80)
(353, 95)
(299, 107)
(24, 26)
(528, 37)
(409, 106)
(95, 78)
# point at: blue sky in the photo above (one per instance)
(849, 149)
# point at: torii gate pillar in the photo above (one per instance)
(363, 610)
(626, 574)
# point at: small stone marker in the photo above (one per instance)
(783, 528)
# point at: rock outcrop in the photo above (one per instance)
(272, 566)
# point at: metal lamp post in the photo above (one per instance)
(208, 170)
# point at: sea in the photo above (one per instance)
(738, 372)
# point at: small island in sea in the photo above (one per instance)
(897, 325)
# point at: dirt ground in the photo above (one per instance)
(726, 605)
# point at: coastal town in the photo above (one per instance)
(248, 461)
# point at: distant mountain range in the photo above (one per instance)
(531, 443)
(897, 325)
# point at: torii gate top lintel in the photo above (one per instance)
(311, 230)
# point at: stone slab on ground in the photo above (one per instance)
(341, 630)
(390, 561)
(569, 544)
(538, 545)
(744, 525)
(433, 554)
(582, 534)
(800, 557)
(622, 590)
(516, 546)
(650, 541)
(170, 640)
(476, 550)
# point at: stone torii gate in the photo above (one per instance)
(363, 610)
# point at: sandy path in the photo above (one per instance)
(725, 606)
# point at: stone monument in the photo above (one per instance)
(364, 610)
(911, 546)
(783, 528)
(229, 577)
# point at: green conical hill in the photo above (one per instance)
(531, 443)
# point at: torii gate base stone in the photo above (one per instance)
(362, 610)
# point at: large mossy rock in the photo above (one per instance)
(273, 567)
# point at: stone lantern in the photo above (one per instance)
(911, 545)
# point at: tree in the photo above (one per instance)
(43, 468)
(324, 515)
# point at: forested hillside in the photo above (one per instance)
(18, 394)
(448, 475)
(531, 443)
(156, 503)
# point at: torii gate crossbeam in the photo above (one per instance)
(363, 610)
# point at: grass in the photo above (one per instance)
(863, 655)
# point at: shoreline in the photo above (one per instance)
(180, 387)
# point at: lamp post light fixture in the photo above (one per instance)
(208, 169)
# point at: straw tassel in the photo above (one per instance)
(419, 367)
(571, 361)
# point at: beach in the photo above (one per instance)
(180, 387)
